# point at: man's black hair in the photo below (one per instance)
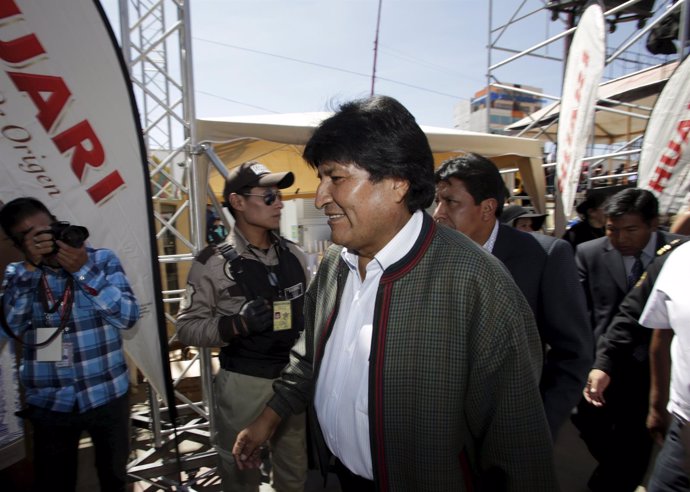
(479, 175)
(17, 210)
(633, 201)
(380, 136)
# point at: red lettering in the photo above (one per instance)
(36, 86)
(76, 137)
(585, 57)
(684, 129)
(660, 174)
(580, 83)
(50, 95)
(21, 50)
(663, 171)
(8, 8)
(106, 187)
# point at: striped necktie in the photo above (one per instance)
(635, 272)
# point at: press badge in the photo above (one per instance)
(282, 310)
(51, 352)
(282, 315)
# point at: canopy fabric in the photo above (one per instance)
(278, 140)
(640, 88)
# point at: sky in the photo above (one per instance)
(285, 56)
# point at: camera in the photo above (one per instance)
(72, 235)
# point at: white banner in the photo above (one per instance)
(70, 136)
(578, 99)
(663, 167)
(11, 426)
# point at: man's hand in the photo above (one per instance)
(37, 244)
(255, 317)
(69, 258)
(658, 420)
(247, 448)
(597, 382)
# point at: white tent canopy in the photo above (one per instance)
(277, 141)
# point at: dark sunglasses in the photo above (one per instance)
(269, 196)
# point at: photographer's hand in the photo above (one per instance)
(69, 258)
(37, 243)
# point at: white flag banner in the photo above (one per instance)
(70, 136)
(583, 72)
(663, 167)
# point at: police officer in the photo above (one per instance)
(245, 296)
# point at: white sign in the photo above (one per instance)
(578, 100)
(663, 167)
(69, 136)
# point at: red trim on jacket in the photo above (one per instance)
(398, 270)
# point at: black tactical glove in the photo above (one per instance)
(254, 317)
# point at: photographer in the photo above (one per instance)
(66, 303)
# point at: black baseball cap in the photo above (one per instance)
(253, 173)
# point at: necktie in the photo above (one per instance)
(635, 272)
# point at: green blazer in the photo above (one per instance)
(454, 371)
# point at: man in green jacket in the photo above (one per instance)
(420, 359)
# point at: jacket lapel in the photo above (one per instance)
(614, 263)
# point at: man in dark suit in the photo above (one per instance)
(609, 267)
(469, 198)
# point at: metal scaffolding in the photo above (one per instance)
(156, 43)
(620, 59)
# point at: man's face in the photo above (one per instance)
(629, 233)
(456, 209)
(363, 216)
(256, 212)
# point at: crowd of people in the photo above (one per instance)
(438, 350)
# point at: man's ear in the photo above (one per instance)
(400, 188)
(489, 206)
(236, 201)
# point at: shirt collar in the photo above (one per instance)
(240, 243)
(396, 249)
(491, 242)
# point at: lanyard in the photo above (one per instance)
(46, 295)
(47, 299)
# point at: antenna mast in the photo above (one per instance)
(376, 48)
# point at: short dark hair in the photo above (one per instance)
(479, 175)
(15, 211)
(633, 201)
(379, 135)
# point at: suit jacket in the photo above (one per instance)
(604, 278)
(454, 368)
(544, 269)
(625, 340)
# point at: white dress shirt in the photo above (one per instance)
(491, 241)
(342, 388)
